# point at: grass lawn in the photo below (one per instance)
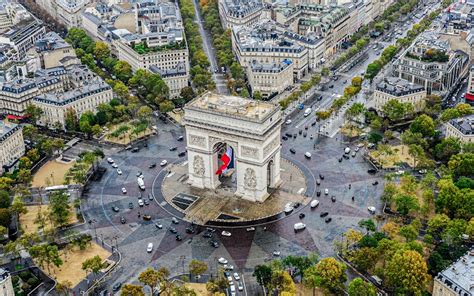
(27, 221)
(126, 135)
(400, 154)
(51, 173)
(71, 270)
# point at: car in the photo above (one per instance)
(210, 229)
(302, 215)
(130, 205)
(299, 226)
(228, 267)
(110, 160)
(180, 138)
(306, 127)
(323, 214)
(190, 230)
(288, 122)
(321, 177)
(331, 86)
(230, 279)
(178, 237)
(140, 202)
(122, 220)
(276, 253)
(147, 203)
(371, 209)
(249, 229)
(333, 198)
(181, 154)
(207, 234)
(354, 154)
(151, 166)
(318, 193)
(150, 197)
(372, 171)
(146, 217)
(356, 149)
(375, 183)
(173, 230)
(135, 150)
(114, 165)
(226, 233)
(240, 286)
(329, 219)
(174, 220)
(119, 171)
(297, 205)
(159, 226)
(305, 134)
(214, 244)
(139, 175)
(400, 172)
(222, 260)
(292, 150)
(326, 191)
(115, 209)
(116, 286)
(318, 182)
(163, 162)
(173, 148)
(284, 138)
(307, 155)
(236, 276)
(149, 248)
(423, 171)
(314, 203)
(124, 190)
(345, 156)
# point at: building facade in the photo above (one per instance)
(270, 79)
(176, 79)
(66, 12)
(239, 12)
(12, 148)
(401, 90)
(23, 37)
(461, 128)
(53, 51)
(457, 279)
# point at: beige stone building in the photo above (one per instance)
(457, 279)
(12, 148)
(53, 51)
(67, 12)
(176, 78)
(401, 90)
(270, 79)
(239, 13)
(461, 128)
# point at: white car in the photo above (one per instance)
(314, 203)
(356, 149)
(226, 233)
(149, 248)
(326, 191)
(114, 165)
(371, 209)
(164, 162)
(119, 171)
(140, 202)
(240, 286)
(124, 191)
(236, 276)
(228, 267)
(250, 229)
(288, 122)
(110, 160)
(276, 253)
(400, 172)
(222, 260)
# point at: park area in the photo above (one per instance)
(51, 173)
(71, 269)
(125, 133)
(28, 220)
(392, 157)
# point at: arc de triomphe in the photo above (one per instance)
(250, 128)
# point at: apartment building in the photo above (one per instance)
(239, 12)
(84, 92)
(12, 148)
(470, 87)
(67, 12)
(22, 37)
(461, 128)
(267, 44)
(176, 78)
(392, 88)
(457, 279)
(431, 63)
(270, 79)
(7, 68)
(52, 51)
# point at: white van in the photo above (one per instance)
(307, 155)
(299, 226)
(314, 203)
(307, 112)
(347, 150)
(149, 248)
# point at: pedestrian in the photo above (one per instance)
(353, 198)
(349, 186)
(138, 214)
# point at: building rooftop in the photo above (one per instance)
(465, 125)
(398, 87)
(179, 70)
(6, 130)
(232, 106)
(51, 41)
(241, 8)
(460, 275)
(270, 67)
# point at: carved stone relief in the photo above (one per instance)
(198, 165)
(197, 141)
(270, 146)
(249, 152)
(250, 178)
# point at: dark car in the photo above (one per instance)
(173, 230)
(178, 237)
(306, 127)
(122, 220)
(329, 219)
(297, 205)
(305, 134)
(333, 198)
(180, 138)
(321, 177)
(300, 132)
(288, 135)
(318, 182)
(130, 205)
(190, 230)
(318, 193)
(207, 234)
(372, 171)
(214, 244)
(135, 150)
(340, 159)
(331, 86)
(375, 183)
(295, 135)
(313, 124)
(146, 217)
(284, 138)
(151, 166)
(145, 145)
(181, 154)
(116, 286)
(292, 150)
(146, 202)
(115, 209)
(346, 156)
(150, 197)
(173, 148)
(302, 215)
(323, 214)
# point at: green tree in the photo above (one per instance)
(144, 113)
(263, 275)
(407, 273)
(408, 232)
(5, 217)
(257, 96)
(123, 71)
(101, 50)
(299, 263)
(71, 121)
(59, 208)
(447, 148)
(328, 274)
(131, 290)
(282, 282)
(197, 267)
(364, 258)
(359, 287)
(4, 199)
(18, 206)
(395, 110)
(373, 69)
(34, 112)
(33, 155)
(187, 93)
(368, 225)
(406, 203)
(423, 124)
(462, 164)
(166, 106)
(94, 265)
(150, 277)
(325, 71)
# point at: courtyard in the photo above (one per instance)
(51, 173)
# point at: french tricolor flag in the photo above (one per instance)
(226, 159)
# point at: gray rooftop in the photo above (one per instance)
(51, 41)
(465, 125)
(460, 275)
(179, 70)
(6, 130)
(398, 87)
(241, 8)
(270, 67)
